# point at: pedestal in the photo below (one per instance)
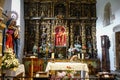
(10, 73)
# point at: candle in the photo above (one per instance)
(82, 56)
(52, 56)
(37, 75)
(78, 55)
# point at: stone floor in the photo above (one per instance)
(92, 77)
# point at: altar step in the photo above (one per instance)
(91, 77)
(43, 78)
(117, 74)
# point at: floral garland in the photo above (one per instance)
(70, 72)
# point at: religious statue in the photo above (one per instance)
(60, 36)
(71, 51)
(12, 36)
(78, 47)
(35, 49)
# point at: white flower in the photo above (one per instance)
(9, 60)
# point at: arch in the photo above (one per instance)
(107, 14)
(116, 28)
(60, 9)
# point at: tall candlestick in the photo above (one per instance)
(82, 56)
(78, 55)
(52, 56)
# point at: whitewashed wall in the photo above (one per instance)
(22, 28)
(7, 5)
(18, 6)
(108, 30)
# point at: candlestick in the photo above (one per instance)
(52, 56)
(78, 55)
(82, 56)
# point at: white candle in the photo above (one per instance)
(78, 55)
(52, 56)
(82, 56)
(37, 75)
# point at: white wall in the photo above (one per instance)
(107, 30)
(22, 36)
(18, 6)
(7, 5)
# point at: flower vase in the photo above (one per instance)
(3, 73)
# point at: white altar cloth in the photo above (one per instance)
(14, 73)
(77, 66)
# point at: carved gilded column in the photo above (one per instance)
(83, 39)
(1, 6)
(94, 36)
(71, 34)
(48, 32)
(94, 40)
(52, 31)
(2, 26)
(37, 29)
(37, 33)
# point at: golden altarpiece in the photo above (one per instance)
(52, 26)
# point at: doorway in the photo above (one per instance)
(117, 42)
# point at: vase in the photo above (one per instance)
(4, 71)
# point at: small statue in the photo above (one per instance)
(35, 48)
(71, 51)
(77, 47)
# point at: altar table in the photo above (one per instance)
(15, 73)
(77, 66)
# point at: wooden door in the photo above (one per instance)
(117, 45)
(105, 53)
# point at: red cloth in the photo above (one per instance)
(9, 38)
(9, 41)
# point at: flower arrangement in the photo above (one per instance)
(70, 71)
(67, 74)
(9, 61)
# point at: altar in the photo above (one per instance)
(77, 66)
(10, 74)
